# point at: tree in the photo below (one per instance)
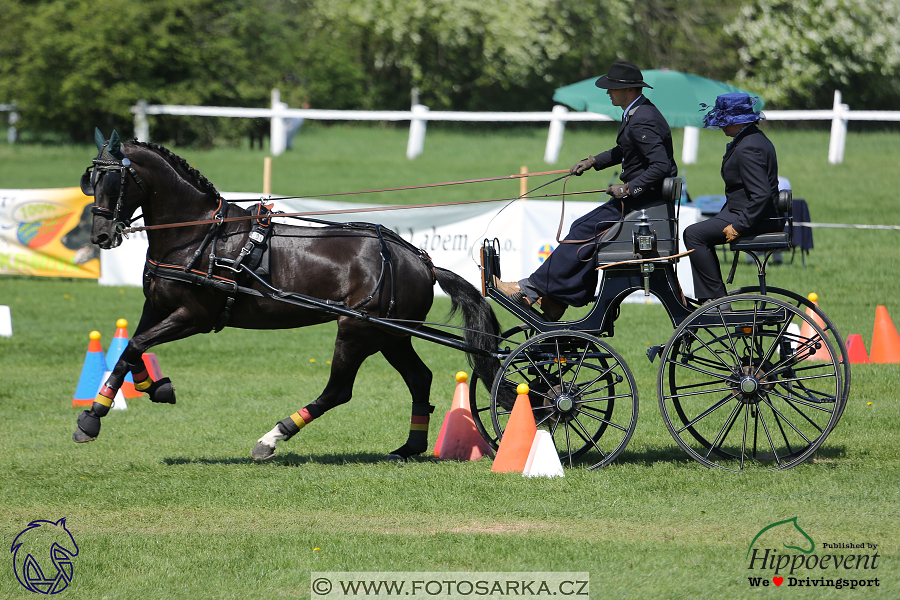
(796, 53)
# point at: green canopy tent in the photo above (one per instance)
(677, 96)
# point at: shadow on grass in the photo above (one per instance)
(674, 454)
(290, 459)
(644, 457)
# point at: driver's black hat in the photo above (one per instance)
(622, 75)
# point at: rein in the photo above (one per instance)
(219, 220)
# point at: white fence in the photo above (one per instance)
(11, 133)
(419, 115)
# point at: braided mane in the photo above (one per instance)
(202, 182)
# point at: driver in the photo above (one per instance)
(644, 151)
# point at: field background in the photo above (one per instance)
(167, 503)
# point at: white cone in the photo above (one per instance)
(119, 401)
(543, 461)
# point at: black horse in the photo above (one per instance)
(229, 268)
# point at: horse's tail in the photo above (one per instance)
(482, 327)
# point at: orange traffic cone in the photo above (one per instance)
(461, 440)
(512, 455)
(91, 372)
(856, 349)
(885, 339)
(152, 364)
(808, 333)
(116, 347)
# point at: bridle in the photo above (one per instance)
(106, 163)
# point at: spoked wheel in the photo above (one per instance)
(481, 409)
(580, 390)
(828, 327)
(741, 389)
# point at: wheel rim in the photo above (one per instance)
(746, 389)
(830, 329)
(580, 390)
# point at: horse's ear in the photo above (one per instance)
(115, 146)
(99, 139)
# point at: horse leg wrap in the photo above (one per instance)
(417, 443)
(161, 391)
(293, 424)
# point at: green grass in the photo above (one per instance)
(167, 503)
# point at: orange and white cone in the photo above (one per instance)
(518, 437)
(810, 334)
(461, 440)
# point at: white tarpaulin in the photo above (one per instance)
(451, 235)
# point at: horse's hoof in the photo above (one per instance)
(162, 391)
(80, 437)
(394, 458)
(262, 452)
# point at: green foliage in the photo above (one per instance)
(70, 65)
(78, 64)
(797, 52)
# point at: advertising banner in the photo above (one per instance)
(47, 233)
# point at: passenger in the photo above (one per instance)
(644, 150)
(750, 172)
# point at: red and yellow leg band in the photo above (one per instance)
(301, 418)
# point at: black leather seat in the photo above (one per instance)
(617, 243)
(779, 240)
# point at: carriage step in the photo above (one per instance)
(653, 352)
(741, 318)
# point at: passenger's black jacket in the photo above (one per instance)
(644, 149)
(750, 173)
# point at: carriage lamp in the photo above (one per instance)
(644, 238)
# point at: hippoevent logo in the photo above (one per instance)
(782, 553)
(42, 556)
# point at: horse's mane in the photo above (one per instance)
(201, 182)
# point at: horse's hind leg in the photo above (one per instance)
(350, 350)
(402, 356)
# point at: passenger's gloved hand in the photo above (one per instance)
(582, 166)
(618, 190)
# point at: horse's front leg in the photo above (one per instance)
(150, 332)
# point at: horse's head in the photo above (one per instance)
(107, 180)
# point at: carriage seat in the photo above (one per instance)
(771, 242)
(618, 242)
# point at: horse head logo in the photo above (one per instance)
(30, 552)
(788, 533)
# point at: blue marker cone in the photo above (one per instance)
(91, 373)
(116, 347)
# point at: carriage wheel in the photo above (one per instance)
(830, 330)
(580, 390)
(741, 388)
(481, 410)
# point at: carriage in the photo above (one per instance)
(755, 380)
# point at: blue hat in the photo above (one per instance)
(731, 109)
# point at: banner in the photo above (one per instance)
(47, 233)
